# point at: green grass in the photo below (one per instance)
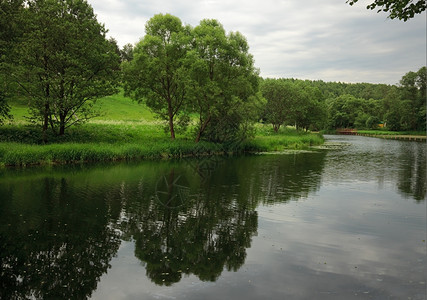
(16, 154)
(286, 138)
(19, 111)
(112, 108)
(21, 145)
(120, 108)
(388, 132)
(126, 131)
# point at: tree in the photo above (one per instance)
(278, 94)
(400, 9)
(294, 102)
(413, 88)
(307, 110)
(347, 111)
(372, 122)
(421, 82)
(223, 82)
(10, 31)
(410, 90)
(115, 46)
(64, 62)
(126, 53)
(156, 74)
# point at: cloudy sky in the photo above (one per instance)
(310, 39)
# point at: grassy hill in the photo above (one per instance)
(120, 108)
(112, 108)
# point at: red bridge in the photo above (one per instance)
(347, 131)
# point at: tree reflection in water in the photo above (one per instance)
(202, 224)
(60, 229)
(412, 177)
(53, 243)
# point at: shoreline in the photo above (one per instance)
(418, 138)
(18, 155)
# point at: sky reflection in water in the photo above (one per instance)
(338, 224)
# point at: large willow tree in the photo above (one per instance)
(178, 70)
(156, 75)
(224, 82)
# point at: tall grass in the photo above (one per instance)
(21, 145)
(17, 154)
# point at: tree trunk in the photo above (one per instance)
(171, 126)
(45, 121)
(170, 114)
(46, 117)
(46, 104)
(62, 124)
(61, 129)
(199, 134)
(202, 129)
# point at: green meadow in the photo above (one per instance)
(126, 130)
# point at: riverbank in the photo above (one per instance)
(20, 145)
(406, 137)
(394, 135)
(419, 136)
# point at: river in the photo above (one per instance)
(347, 222)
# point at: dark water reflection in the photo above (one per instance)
(220, 227)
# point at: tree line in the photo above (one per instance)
(332, 105)
(56, 56)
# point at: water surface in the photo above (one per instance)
(346, 223)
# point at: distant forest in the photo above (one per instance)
(331, 105)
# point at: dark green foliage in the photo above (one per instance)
(347, 111)
(400, 9)
(10, 27)
(178, 71)
(372, 122)
(413, 96)
(126, 53)
(63, 62)
(4, 109)
(364, 105)
(223, 83)
(60, 254)
(279, 95)
(359, 90)
(10, 32)
(156, 75)
(293, 102)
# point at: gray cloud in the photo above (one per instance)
(327, 40)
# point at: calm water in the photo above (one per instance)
(345, 223)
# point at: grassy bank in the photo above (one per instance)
(127, 131)
(380, 132)
(21, 145)
(388, 132)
